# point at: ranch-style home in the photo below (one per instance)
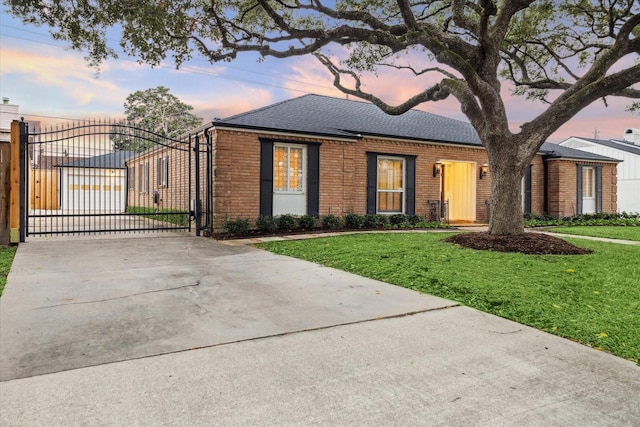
(320, 155)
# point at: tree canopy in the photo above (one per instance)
(567, 54)
(154, 112)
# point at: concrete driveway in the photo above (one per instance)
(178, 330)
(75, 303)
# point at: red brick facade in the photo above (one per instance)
(236, 164)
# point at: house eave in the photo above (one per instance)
(269, 131)
(550, 156)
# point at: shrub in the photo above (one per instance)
(287, 222)
(354, 221)
(375, 221)
(331, 222)
(238, 226)
(415, 219)
(267, 224)
(307, 221)
(398, 219)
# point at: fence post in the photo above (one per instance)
(15, 184)
(5, 190)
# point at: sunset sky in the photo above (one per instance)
(51, 83)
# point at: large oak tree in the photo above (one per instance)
(566, 53)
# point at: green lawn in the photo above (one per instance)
(172, 216)
(611, 232)
(593, 299)
(6, 258)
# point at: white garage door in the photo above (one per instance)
(93, 190)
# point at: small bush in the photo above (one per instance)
(238, 226)
(415, 219)
(287, 222)
(354, 221)
(307, 222)
(267, 224)
(331, 222)
(398, 219)
(375, 221)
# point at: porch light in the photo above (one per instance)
(437, 168)
(484, 170)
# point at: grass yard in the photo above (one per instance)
(593, 299)
(6, 258)
(172, 216)
(611, 232)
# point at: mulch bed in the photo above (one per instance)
(528, 243)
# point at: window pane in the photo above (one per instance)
(390, 185)
(280, 169)
(587, 182)
(389, 202)
(295, 169)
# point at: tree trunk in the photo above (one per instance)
(506, 191)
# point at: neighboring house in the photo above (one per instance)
(627, 151)
(8, 113)
(319, 155)
(95, 183)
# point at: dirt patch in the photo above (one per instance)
(527, 243)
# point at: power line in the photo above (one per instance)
(187, 69)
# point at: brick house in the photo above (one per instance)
(627, 150)
(319, 155)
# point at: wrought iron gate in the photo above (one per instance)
(95, 177)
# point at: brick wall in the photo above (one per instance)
(343, 176)
(562, 190)
(343, 173)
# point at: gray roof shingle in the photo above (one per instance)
(327, 116)
(115, 160)
(343, 118)
(618, 145)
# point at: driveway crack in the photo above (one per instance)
(197, 283)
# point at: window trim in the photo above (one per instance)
(597, 182)
(403, 190)
(145, 179)
(304, 155)
(163, 172)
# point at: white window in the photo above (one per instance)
(588, 190)
(288, 168)
(163, 172)
(391, 185)
(145, 179)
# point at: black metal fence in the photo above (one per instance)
(109, 176)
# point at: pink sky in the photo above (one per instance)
(50, 83)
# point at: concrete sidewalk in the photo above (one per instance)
(187, 331)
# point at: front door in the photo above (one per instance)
(459, 189)
(289, 179)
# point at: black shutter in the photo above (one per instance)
(159, 177)
(527, 190)
(313, 179)
(411, 186)
(372, 176)
(599, 189)
(579, 189)
(266, 178)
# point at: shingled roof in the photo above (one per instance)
(615, 144)
(115, 160)
(343, 118)
(327, 116)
